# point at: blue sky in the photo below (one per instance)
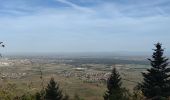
(84, 25)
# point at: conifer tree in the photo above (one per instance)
(52, 91)
(114, 87)
(156, 82)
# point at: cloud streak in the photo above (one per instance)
(111, 8)
(75, 6)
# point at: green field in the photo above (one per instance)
(87, 83)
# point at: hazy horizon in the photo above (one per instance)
(87, 54)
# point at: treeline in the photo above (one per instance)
(107, 61)
(155, 84)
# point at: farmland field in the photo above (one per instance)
(85, 77)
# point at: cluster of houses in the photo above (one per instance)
(11, 75)
(85, 75)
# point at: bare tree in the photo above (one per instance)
(1, 45)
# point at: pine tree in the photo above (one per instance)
(156, 82)
(52, 91)
(114, 86)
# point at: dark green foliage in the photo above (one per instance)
(66, 97)
(25, 97)
(40, 95)
(137, 94)
(114, 86)
(2, 44)
(52, 91)
(156, 82)
(77, 97)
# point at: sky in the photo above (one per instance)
(44, 26)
